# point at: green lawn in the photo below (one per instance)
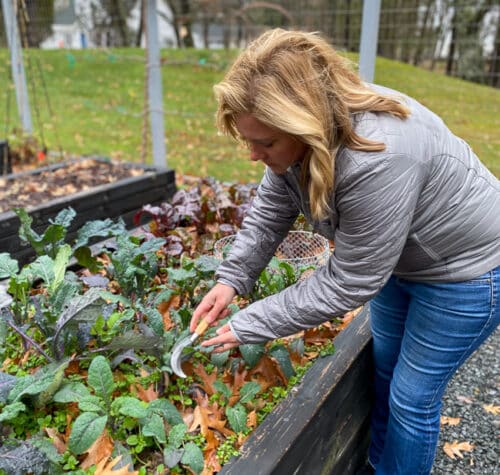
(97, 102)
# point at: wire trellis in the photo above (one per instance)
(300, 249)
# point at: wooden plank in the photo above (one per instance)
(357, 452)
(277, 446)
(334, 430)
(56, 166)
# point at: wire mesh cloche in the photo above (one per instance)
(299, 248)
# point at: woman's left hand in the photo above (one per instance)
(225, 340)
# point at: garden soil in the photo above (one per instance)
(29, 190)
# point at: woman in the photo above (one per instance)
(412, 212)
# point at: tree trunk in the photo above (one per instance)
(494, 71)
(388, 30)
(141, 25)
(451, 53)
(187, 35)
(440, 35)
(121, 21)
(35, 22)
(205, 25)
(347, 25)
(174, 21)
(422, 34)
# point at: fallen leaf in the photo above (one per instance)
(450, 421)
(208, 416)
(25, 358)
(6, 363)
(73, 368)
(236, 380)
(492, 409)
(455, 449)
(58, 439)
(200, 419)
(322, 334)
(252, 419)
(106, 468)
(146, 395)
(465, 399)
(268, 372)
(347, 318)
(207, 379)
(212, 464)
(164, 308)
(100, 450)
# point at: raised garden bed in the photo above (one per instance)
(133, 186)
(130, 304)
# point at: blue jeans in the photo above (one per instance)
(422, 333)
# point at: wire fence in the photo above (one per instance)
(88, 56)
(458, 37)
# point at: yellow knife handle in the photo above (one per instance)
(202, 327)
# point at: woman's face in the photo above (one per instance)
(277, 150)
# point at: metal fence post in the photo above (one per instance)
(155, 94)
(16, 59)
(369, 35)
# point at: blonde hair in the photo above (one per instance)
(296, 82)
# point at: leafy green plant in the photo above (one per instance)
(58, 306)
(134, 264)
(278, 275)
(96, 346)
(52, 239)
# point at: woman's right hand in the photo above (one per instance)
(214, 305)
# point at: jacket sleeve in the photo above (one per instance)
(269, 219)
(375, 202)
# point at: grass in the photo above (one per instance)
(97, 99)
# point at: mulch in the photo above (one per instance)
(26, 190)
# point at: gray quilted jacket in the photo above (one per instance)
(425, 209)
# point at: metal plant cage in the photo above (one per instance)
(301, 249)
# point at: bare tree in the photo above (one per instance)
(424, 31)
(453, 41)
(142, 22)
(35, 21)
(470, 62)
(109, 18)
(173, 21)
(494, 71)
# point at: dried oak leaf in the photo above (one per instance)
(208, 380)
(208, 416)
(106, 468)
(492, 409)
(212, 464)
(450, 421)
(100, 450)
(267, 373)
(164, 308)
(320, 335)
(455, 449)
(144, 394)
(235, 381)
